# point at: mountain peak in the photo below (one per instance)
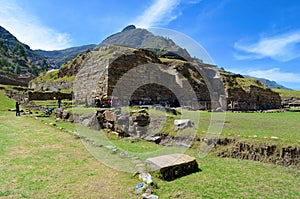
(130, 27)
(142, 38)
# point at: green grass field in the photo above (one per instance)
(41, 161)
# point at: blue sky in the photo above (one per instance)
(258, 38)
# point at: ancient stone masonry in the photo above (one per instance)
(51, 86)
(48, 95)
(254, 98)
(129, 75)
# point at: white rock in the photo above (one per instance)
(181, 124)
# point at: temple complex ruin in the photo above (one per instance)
(129, 75)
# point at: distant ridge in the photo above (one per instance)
(56, 58)
(269, 83)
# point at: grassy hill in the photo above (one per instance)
(287, 93)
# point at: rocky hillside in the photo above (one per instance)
(142, 38)
(56, 58)
(18, 59)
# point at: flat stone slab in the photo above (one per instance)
(182, 124)
(172, 166)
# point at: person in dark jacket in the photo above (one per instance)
(58, 101)
(17, 109)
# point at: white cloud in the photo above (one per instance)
(281, 48)
(160, 12)
(193, 1)
(276, 75)
(29, 30)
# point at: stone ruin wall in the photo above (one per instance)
(176, 78)
(100, 75)
(48, 95)
(92, 74)
(253, 99)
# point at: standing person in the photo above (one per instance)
(58, 101)
(109, 103)
(17, 109)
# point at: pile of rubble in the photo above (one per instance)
(123, 124)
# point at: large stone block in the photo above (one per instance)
(182, 124)
(172, 166)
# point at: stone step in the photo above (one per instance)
(172, 166)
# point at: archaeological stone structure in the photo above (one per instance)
(127, 75)
(252, 98)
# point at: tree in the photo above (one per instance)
(20, 51)
(4, 62)
(34, 70)
(3, 47)
(23, 52)
(44, 66)
(18, 69)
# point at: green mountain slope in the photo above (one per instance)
(18, 59)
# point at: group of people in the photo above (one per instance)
(102, 103)
(17, 106)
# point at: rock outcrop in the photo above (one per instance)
(283, 155)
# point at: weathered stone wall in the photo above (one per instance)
(12, 81)
(52, 86)
(91, 80)
(174, 82)
(141, 71)
(255, 98)
(146, 78)
(48, 95)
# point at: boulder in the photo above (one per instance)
(65, 114)
(58, 112)
(86, 122)
(182, 124)
(172, 166)
(155, 139)
(110, 115)
(140, 118)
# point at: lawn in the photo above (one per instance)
(38, 160)
(232, 178)
(285, 126)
